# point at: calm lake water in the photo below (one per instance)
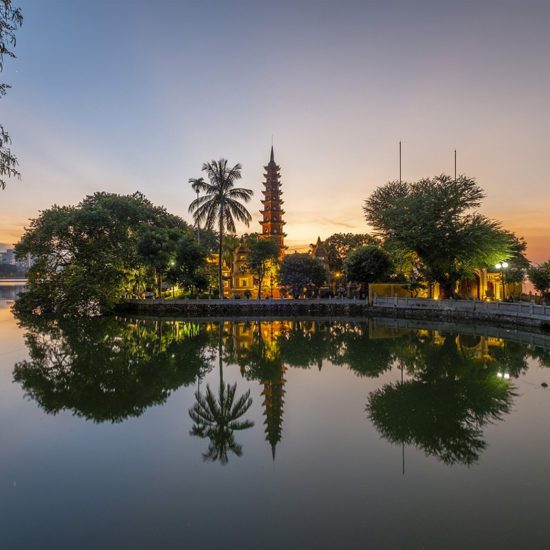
(125, 433)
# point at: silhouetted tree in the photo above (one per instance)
(221, 204)
(436, 220)
(368, 264)
(301, 270)
(11, 19)
(261, 253)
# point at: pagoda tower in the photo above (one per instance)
(272, 213)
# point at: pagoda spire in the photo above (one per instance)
(272, 213)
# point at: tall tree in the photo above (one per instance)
(190, 269)
(301, 270)
(86, 256)
(339, 245)
(221, 203)
(436, 220)
(262, 252)
(156, 248)
(540, 277)
(196, 184)
(368, 264)
(10, 20)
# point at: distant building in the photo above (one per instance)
(8, 257)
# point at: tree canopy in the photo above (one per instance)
(368, 264)
(89, 257)
(299, 271)
(436, 219)
(339, 245)
(261, 253)
(11, 20)
(222, 203)
(540, 277)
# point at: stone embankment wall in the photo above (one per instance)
(524, 314)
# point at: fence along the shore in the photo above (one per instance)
(527, 310)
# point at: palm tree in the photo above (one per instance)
(196, 184)
(220, 205)
(216, 418)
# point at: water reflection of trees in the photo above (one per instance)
(108, 369)
(454, 388)
(216, 418)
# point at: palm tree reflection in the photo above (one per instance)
(217, 417)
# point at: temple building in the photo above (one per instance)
(237, 280)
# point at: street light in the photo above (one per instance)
(172, 264)
(501, 266)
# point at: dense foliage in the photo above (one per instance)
(339, 245)
(11, 19)
(89, 257)
(368, 264)
(540, 277)
(262, 254)
(299, 272)
(435, 219)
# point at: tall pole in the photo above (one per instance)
(399, 162)
(455, 164)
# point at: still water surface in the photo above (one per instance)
(126, 433)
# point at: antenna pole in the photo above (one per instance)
(455, 164)
(399, 162)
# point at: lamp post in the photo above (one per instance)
(501, 266)
(172, 264)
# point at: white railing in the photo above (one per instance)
(509, 309)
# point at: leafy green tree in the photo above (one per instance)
(86, 257)
(11, 20)
(190, 269)
(301, 270)
(156, 248)
(436, 220)
(261, 253)
(221, 204)
(339, 245)
(540, 277)
(368, 264)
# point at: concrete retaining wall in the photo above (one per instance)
(528, 315)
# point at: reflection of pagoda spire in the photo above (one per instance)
(273, 409)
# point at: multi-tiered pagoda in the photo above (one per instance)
(272, 213)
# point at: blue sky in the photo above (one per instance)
(126, 95)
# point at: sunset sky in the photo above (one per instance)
(126, 95)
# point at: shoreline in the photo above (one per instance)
(443, 311)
